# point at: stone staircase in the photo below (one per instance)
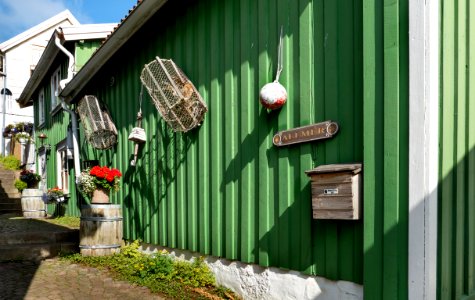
(39, 244)
(10, 198)
(28, 239)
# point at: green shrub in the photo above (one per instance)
(158, 271)
(10, 162)
(20, 185)
(195, 274)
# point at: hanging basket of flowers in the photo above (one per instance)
(98, 182)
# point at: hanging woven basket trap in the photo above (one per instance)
(173, 94)
(99, 129)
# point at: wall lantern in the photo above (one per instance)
(43, 137)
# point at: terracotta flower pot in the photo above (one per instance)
(100, 196)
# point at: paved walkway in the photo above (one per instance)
(55, 280)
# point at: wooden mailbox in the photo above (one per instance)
(337, 191)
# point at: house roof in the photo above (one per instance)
(69, 33)
(43, 26)
(136, 18)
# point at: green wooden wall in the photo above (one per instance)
(83, 51)
(456, 256)
(385, 110)
(57, 122)
(223, 189)
(55, 128)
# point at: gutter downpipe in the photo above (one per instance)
(4, 105)
(74, 119)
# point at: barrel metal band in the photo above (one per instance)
(32, 210)
(102, 219)
(99, 246)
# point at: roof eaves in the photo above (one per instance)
(136, 18)
(51, 51)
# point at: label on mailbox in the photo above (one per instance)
(330, 191)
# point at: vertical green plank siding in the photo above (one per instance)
(55, 128)
(457, 141)
(223, 189)
(57, 122)
(385, 109)
(84, 50)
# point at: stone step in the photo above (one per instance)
(10, 200)
(16, 212)
(39, 237)
(8, 187)
(7, 184)
(8, 175)
(10, 192)
(35, 251)
(10, 206)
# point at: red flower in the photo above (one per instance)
(110, 178)
(94, 170)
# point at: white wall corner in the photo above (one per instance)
(423, 147)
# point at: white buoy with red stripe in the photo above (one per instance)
(274, 95)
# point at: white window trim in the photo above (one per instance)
(62, 146)
(41, 108)
(2, 63)
(424, 41)
(55, 79)
(42, 168)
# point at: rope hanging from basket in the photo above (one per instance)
(280, 53)
(138, 135)
(274, 95)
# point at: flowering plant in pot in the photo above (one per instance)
(30, 178)
(55, 195)
(98, 182)
(23, 137)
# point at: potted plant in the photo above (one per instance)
(98, 182)
(30, 178)
(55, 195)
(31, 197)
(22, 137)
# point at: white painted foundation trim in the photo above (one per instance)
(251, 281)
(423, 147)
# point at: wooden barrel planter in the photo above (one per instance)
(32, 203)
(100, 231)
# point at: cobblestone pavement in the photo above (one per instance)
(53, 279)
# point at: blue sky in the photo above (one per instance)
(17, 16)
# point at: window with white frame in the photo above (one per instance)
(62, 168)
(42, 167)
(55, 79)
(41, 107)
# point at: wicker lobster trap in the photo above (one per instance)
(99, 129)
(175, 97)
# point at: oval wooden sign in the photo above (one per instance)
(314, 132)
